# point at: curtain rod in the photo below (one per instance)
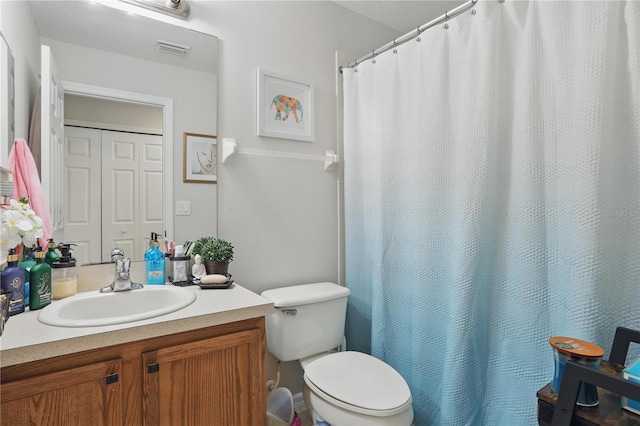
(413, 34)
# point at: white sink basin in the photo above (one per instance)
(94, 309)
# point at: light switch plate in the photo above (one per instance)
(183, 208)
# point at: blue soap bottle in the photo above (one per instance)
(12, 279)
(155, 262)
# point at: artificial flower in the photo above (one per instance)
(20, 224)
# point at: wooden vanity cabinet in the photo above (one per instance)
(210, 376)
(88, 395)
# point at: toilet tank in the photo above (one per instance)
(308, 319)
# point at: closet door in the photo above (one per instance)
(83, 180)
(132, 191)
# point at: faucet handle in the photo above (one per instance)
(116, 253)
(123, 266)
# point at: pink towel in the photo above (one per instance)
(26, 183)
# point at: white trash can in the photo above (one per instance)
(280, 410)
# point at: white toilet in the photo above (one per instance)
(340, 388)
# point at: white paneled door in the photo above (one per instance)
(114, 188)
(131, 191)
(52, 136)
(82, 225)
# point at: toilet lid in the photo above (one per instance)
(358, 380)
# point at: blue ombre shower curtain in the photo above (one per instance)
(492, 200)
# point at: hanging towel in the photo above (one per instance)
(26, 183)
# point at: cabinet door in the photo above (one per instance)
(89, 395)
(215, 381)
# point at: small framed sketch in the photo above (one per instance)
(285, 107)
(200, 158)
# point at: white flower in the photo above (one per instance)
(20, 224)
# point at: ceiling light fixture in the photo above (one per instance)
(177, 8)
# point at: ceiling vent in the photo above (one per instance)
(174, 49)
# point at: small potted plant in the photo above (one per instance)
(215, 253)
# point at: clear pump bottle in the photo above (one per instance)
(64, 277)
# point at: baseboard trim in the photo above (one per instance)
(298, 402)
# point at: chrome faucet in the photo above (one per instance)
(122, 281)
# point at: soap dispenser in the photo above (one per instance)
(12, 278)
(64, 278)
(155, 262)
(51, 255)
(26, 264)
(40, 287)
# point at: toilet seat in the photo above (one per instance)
(358, 382)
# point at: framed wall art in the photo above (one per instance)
(200, 158)
(285, 107)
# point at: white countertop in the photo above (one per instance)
(25, 339)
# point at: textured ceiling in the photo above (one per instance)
(403, 16)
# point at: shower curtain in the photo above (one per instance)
(492, 200)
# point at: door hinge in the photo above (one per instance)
(153, 368)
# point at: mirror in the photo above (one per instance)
(108, 53)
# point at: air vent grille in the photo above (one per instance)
(174, 49)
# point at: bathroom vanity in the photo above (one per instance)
(204, 364)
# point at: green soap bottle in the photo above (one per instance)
(26, 265)
(51, 257)
(39, 283)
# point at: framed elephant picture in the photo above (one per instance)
(285, 107)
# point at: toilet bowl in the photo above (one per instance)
(340, 388)
(353, 388)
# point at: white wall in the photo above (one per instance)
(19, 29)
(113, 115)
(281, 214)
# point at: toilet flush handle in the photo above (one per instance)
(290, 312)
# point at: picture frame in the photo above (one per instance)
(200, 158)
(285, 107)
